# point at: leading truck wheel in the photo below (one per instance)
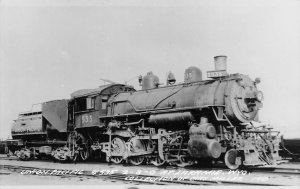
(232, 159)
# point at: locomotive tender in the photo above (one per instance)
(178, 124)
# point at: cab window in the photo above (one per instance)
(90, 103)
(82, 104)
(104, 102)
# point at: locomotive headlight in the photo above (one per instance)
(259, 96)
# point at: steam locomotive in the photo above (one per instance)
(179, 124)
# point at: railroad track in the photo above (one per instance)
(133, 178)
(277, 170)
(146, 179)
(271, 170)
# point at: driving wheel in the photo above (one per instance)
(117, 150)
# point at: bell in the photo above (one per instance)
(171, 79)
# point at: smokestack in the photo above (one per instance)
(220, 63)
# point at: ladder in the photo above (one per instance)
(221, 116)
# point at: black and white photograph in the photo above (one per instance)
(136, 94)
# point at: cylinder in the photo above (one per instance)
(220, 62)
(201, 143)
(204, 148)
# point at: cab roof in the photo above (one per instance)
(96, 91)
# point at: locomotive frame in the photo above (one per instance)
(180, 124)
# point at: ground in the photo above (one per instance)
(39, 176)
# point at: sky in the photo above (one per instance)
(49, 49)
